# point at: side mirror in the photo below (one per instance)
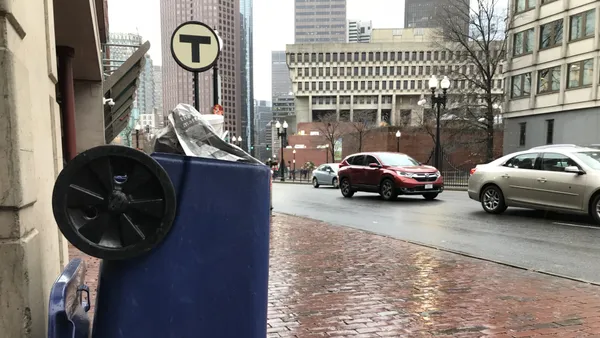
(574, 170)
(374, 165)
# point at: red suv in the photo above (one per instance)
(390, 175)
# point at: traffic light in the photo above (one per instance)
(251, 147)
(268, 148)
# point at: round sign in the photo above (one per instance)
(195, 46)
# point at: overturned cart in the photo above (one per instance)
(184, 243)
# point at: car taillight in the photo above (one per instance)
(473, 171)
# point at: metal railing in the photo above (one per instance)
(455, 178)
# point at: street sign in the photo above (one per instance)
(195, 46)
(218, 109)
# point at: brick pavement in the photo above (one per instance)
(328, 281)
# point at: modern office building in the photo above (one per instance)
(319, 21)
(385, 78)
(158, 105)
(224, 16)
(552, 74)
(280, 75)
(247, 75)
(426, 13)
(262, 133)
(146, 89)
(359, 31)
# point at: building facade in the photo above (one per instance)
(383, 79)
(359, 31)
(177, 84)
(319, 21)
(158, 105)
(425, 13)
(43, 125)
(262, 133)
(552, 74)
(281, 84)
(247, 74)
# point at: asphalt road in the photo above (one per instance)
(560, 244)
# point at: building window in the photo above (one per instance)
(580, 73)
(549, 131)
(522, 133)
(521, 86)
(523, 42)
(328, 57)
(583, 25)
(549, 80)
(551, 34)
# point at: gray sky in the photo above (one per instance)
(273, 27)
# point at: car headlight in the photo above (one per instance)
(438, 174)
(404, 174)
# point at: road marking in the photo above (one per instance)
(577, 225)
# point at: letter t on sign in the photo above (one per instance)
(196, 41)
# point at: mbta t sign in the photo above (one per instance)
(196, 48)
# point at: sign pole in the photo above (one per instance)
(196, 92)
(216, 84)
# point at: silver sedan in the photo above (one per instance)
(325, 174)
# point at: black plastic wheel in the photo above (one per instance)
(114, 202)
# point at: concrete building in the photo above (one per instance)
(262, 133)
(319, 21)
(424, 13)
(158, 99)
(552, 74)
(53, 84)
(385, 78)
(247, 73)
(223, 16)
(359, 31)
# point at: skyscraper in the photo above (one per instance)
(280, 75)
(224, 16)
(359, 31)
(158, 105)
(319, 21)
(247, 73)
(423, 13)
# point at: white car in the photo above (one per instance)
(326, 174)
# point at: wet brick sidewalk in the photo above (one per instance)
(328, 281)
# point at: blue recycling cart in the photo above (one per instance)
(207, 278)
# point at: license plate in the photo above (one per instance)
(428, 186)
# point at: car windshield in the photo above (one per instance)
(397, 160)
(590, 158)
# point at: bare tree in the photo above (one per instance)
(475, 39)
(331, 129)
(364, 123)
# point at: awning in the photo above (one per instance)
(121, 87)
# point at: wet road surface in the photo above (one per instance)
(560, 244)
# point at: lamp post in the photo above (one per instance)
(137, 135)
(294, 161)
(437, 102)
(282, 135)
(216, 73)
(398, 134)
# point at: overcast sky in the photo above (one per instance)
(273, 27)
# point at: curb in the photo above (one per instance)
(449, 188)
(456, 252)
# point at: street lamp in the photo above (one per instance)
(137, 135)
(294, 161)
(216, 73)
(283, 136)
(437, 101)
(398, 134)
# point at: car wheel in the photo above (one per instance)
(492, 200)
(334, 182)
(595, 208)
(430, 196)
(387, 190)
(315, 182)
(346, 188)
